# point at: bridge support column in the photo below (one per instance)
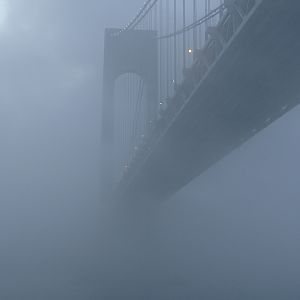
(132, 51)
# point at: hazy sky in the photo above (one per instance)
(51, 68)
(234, 231)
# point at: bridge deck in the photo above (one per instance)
(254, 81)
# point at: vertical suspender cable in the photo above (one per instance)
(184, 33)
(130, 114)
(206, 22)
(130, 118)
(158, 62)
(150, 20)
(209, 9)
(200, 34)
(160, 49)
(195, 40)
(168, 46)
(155, 17)
(126, 116)
(209, 5)
(221, 10)
(147, 21)
(175, 43)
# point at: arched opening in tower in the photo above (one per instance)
(131, 120)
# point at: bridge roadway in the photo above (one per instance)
(255, 80)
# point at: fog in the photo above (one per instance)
(232, 233)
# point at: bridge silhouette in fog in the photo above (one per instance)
(186, 82)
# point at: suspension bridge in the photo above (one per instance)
(185, 82)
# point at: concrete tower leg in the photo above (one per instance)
(133, 51)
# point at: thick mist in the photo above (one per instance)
(233, 233)
(51, 214)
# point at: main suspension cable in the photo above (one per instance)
(202, 20)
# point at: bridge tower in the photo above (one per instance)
(130, 51)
